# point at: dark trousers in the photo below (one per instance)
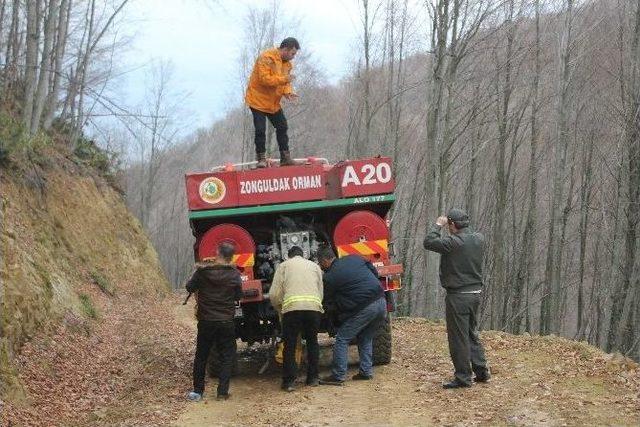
(306, 322)
(279, 122)
(466, 350)
(222, 335)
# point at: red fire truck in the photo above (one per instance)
(264, 212)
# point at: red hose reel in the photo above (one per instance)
(228, 233)
(364, 233)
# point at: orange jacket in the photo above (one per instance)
(269, 81)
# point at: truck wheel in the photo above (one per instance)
(382, 343)
(213, 365)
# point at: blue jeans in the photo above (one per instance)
(362, 325)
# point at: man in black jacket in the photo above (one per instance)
(353, 292)
(218, 286)
(461, 254)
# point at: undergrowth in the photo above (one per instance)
(102, 283)
(19, 148)
(87, 306)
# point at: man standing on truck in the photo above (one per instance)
(219, 287)
(296, 294)
(352, 292)
(270, 80)
(461, 254)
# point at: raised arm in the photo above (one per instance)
(266, 74)
(434, 241)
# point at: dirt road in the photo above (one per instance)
(537, 381)
(121, 371)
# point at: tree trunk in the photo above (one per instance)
(31, 64)
(550, 302)
(45, 64)
(433, 145)
(525, 268)
(3, 8)
(502, 179)
(585, 200)
(622, 313)
(364, 143)
(61, 45)
(11, 52)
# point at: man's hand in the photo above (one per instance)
(442, 221)
(291, 96)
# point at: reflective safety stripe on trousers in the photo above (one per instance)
(301, 298)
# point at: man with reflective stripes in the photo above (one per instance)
(296, 294)
(461, 256)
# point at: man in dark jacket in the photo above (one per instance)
(218, 286)
(353, 292)
(461, 254)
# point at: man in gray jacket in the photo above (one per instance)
(461, 254)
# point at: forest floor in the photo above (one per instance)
(133, 368)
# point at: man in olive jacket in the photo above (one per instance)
(296, 294)
(218, 286)
(461, 254)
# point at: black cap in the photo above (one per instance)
(458, 217)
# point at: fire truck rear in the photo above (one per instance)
(264, 212)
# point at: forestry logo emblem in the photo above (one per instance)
(212, 190)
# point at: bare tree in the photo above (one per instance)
(62, 31)
(454, 26)
(360, 143)
(12, 48)
(586, 191)
(39, 43)
(31, 65)
(525, 265)
(623, 326)
(508, 120)
(46, 63)
(155, 129)
(549, 320)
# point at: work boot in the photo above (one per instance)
(194, 397)
(361, 377)
(313, 382)
(331, 380)
(482, 376)
(455, 384)
(286, 160)
(262, 160)
(288, 387)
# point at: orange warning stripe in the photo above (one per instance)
(244, 260)
(240, 260)
(372, 247)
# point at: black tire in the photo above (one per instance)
(213, 364)
(382, 343)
